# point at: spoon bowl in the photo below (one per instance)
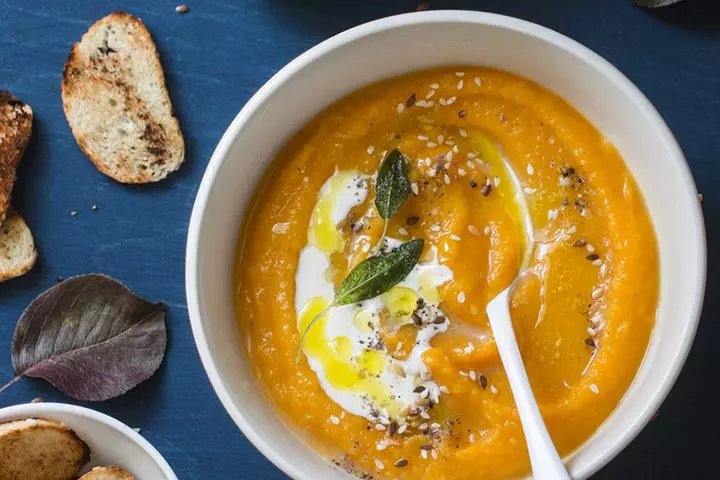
(544, 458)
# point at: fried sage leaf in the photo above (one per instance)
(370, 278)
(392, 188)
(392, 185)
(376, 275)
(90, 337)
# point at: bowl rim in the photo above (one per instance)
(541, 33)
(35, 410)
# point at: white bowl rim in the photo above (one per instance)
(35, 410)
(548, 35)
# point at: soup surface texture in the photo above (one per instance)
(409, 384)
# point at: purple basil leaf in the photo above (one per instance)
(90, 337)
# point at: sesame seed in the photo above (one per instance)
(425, 415)
(591, 331)
(427, 446)
(470, 165)
(431, 144)
(94, 208)
(400, 107)
(380, 426)
(579, 243)
(414, 188)
(473, 229)
(402, 231)
(447, 179)
(459, 74)
(451, 100)
(552, 214)
(434, 454)
(370, 150)
(422, 138)
(478, 82)
(461, 172)
(434, 86)
(444, 389)
(471, 155)
(379, 464)
(493, 389)
(182, 9)
(410, 101)
(402, 429)
(461, 297)
(483, 381)
(497, 181)
(590, 248)
(435, 228)
(592, 257)
(464, 374)
(381, 445)
(597, 293)
(471, 438)
(441, 139)
(423, 426)
(428, 160)
(455, 149)
(73, 213)
(463, 132)
(424, 454)
(594, 388)
(429, 95)
(421, 103)
(487, 230)
(454, 237)
(597, 262)
(473, 375)
(334, 419)
(501, 117)
(530, 169)
(37, 400)
(572, 229)
(460, 84)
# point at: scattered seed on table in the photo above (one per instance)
(182, 9)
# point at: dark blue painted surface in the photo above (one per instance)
(215, 57)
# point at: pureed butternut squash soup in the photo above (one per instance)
(408, 384)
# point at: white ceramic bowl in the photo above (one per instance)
(111, 442)
(402, 44)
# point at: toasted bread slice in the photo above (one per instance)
(36, 449)
(116, 103)
(17, 247)
(107, 473)
(15, 130)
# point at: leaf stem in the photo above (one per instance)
(306, 331)
(378, 247)
(11, 382)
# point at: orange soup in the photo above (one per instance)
(408, 384)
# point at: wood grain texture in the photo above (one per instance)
(215, 57)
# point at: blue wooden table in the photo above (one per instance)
(215, 57)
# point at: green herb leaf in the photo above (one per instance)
(392, 186)
(655, 3)
(370, 278)
(376, 275)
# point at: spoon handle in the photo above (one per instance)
(544, 459)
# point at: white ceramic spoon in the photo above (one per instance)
(545, 461)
